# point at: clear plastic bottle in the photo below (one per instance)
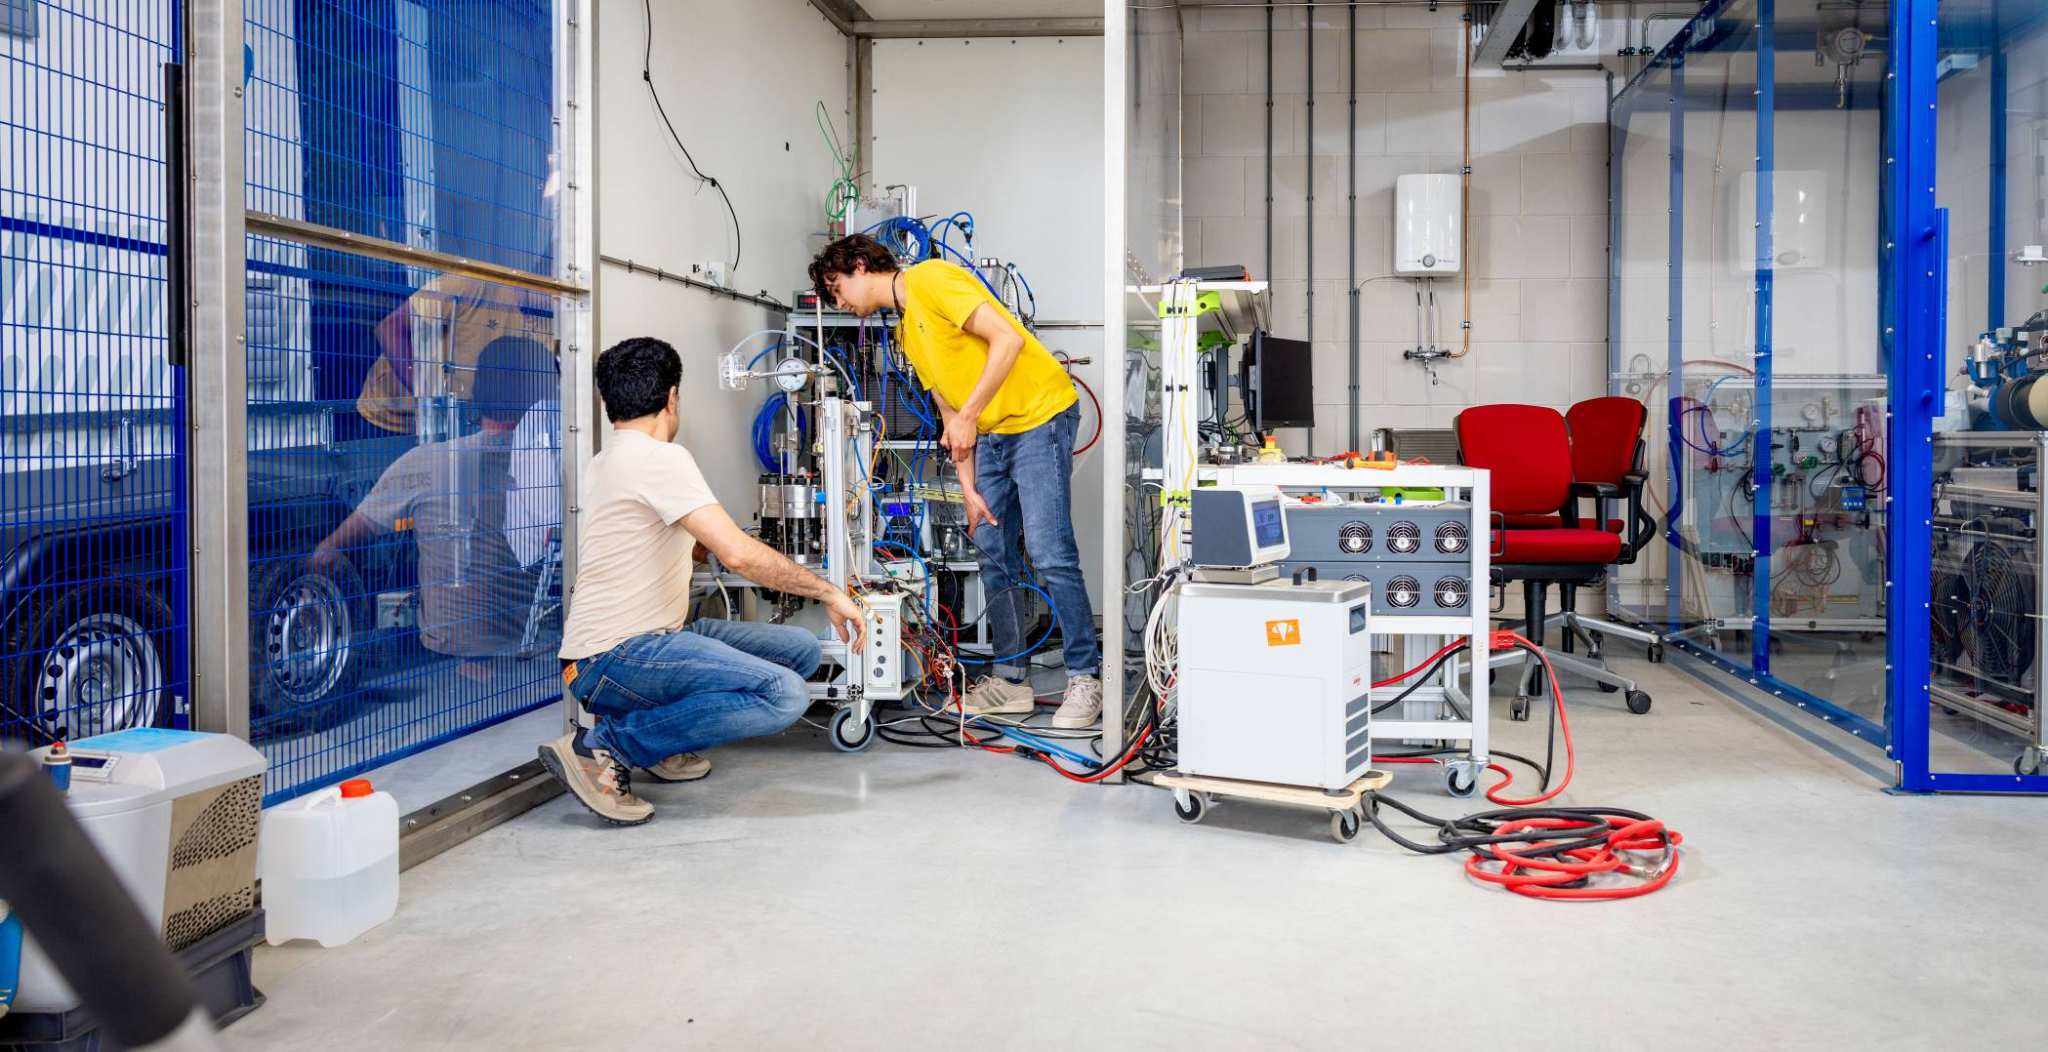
(330, 864)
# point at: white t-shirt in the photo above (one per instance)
(474, 593)
(533, 506)
(633, 556)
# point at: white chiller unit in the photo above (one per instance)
(1428, 217)
(176, 814)
(1275, 681)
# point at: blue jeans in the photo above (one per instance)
(712, 682)
(1027, 480)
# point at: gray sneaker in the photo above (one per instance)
(682, 767)
(1082, 706)
(598, 781)
(996, 696)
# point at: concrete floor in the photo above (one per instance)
(942, 899)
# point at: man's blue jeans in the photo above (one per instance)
(1027, 480)
(712, 682)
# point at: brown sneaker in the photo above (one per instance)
(682, 767)
(996, 696)
(598, 781)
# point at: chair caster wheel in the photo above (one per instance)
(1518, 710)
(1638, 702)
(849, 734)
(1656, 653)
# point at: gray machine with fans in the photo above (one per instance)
(1418, 557)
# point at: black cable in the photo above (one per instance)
(647, 76)
(1421, 678)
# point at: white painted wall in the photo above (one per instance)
(741, 82)
(1011, 130)
(1538, 203)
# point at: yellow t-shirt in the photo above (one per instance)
(938, 297)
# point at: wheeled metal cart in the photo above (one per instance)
(1194, 794)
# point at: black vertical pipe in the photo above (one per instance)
(177, 251)
(1351, 212)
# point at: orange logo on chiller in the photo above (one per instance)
(1283, 633)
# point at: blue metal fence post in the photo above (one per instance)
(1760, 440)
(1994, 253)
(1909, 269)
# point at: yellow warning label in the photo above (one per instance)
(1283, 633)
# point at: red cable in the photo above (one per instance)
(1550, 878)
(1090, 391)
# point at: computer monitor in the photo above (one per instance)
(1279, 385)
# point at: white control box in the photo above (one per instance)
(1275, 681)
(1428, 225)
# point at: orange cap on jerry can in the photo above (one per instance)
(355, 787)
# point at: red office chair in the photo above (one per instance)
(1607, 459)
(1528, 452)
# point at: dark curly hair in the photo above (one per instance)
(635, 376)
(837, 260)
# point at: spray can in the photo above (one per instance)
(57, 764)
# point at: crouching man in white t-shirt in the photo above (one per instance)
(659, 685)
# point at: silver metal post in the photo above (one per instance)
(217, 375)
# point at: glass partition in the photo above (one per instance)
(1983, 622)
(1748, 318)
(405, 512)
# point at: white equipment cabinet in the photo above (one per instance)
(1455, 706)
(1275, 681)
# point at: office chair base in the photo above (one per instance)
(1608, 680)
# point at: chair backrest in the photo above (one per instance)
(1527, 449)
(1606, 437)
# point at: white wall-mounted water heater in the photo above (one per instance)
(1427, 213)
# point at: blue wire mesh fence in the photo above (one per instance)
(92, 571)
(405, 512)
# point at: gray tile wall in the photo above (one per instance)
(1539, 189)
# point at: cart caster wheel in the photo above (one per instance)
(1638, 702)
(1460, 782)
(1191, 807)
(2027, 763)
(1344, 826)
(1607, 688)
(849, 734)
(1656, 653)
(1518, 710)
(1490, 677)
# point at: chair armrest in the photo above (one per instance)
(1596, 490)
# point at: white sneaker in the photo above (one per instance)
(1082, 706)
(996, 696)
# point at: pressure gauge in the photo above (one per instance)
(792, 375)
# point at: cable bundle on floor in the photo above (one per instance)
(1540, 852)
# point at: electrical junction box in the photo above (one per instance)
(175, 813)
(1275, 681)
(1428, 213)
(881, 660)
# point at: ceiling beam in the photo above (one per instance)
(1508, 20)
(916, 28)
(841, 13)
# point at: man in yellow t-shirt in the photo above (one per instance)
(1010, 413)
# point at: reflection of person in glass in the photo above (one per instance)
(436, 333)
(475, 591)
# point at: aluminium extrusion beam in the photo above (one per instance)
(1507, 24)
(951, 28)
(217, 374)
